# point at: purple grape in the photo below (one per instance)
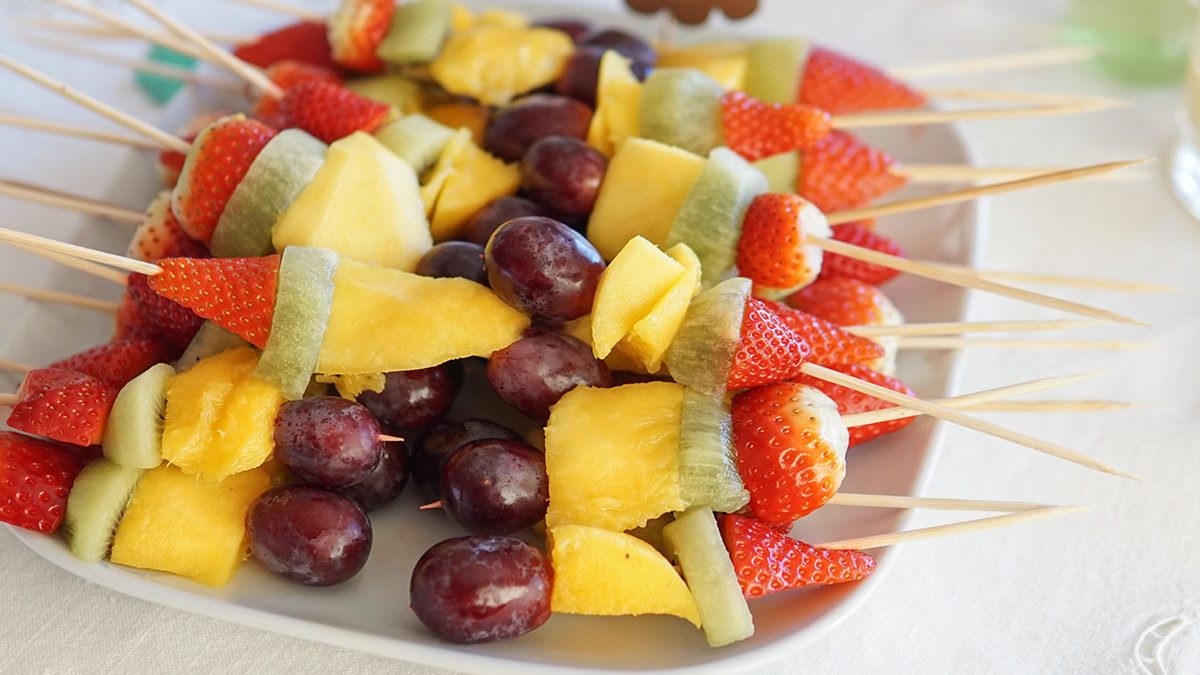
(385, 483)
(630, 46)
(544, 268)
(581, 75)
(563, 174)
(534, 372)
(515, 128)
(412, 399)
(495, 487)
(577, 29)
(461, 259)
(309, 535)
(480, 227)
(434, 448)
(481, 589)
(327, 441)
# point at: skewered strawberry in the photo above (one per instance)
(831, 346)
(238, 293)
(356, 28)
(772, 251)
(118, 362)
(849, 302)
(835, 265)
(766, 561)
(62, 405)
(35, 480)
(288, 74)
(849, 401)
(306, 42)
(840, 172)
(161, 236)
(842, 85)
(170, 162)
(755, 129)
(769, 350)
(330, 111)
(145, 313)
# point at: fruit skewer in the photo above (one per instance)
(37, 124)
(33, 193)
(893, 538)
(219, 83)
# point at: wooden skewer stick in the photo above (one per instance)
(129, 28)
(942, 412)
(8, 400)
(222, 57)
(1050, 406)
(59, 297)
(142, 65)
(967, 194)
(32, 241)
(1035, 58)
(926, 174)
(960, 327)
(60, 27)
(966, 343)
(899, 118)
(90, 268)
(934, 503)
(159, 136)
(35, 124)
(892, 538)
(963, 401)
(1029, 98)
(40, 195)
(390, 439)
(1059, 280)
(286, 8)
(13, 366)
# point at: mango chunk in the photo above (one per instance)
(648, 340)
(629, 288)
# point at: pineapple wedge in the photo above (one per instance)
(630, 287)
(618, 96)
(648, 340)
(494, 63)
(464, 180)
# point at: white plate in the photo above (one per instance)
(370, 613)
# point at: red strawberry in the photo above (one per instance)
(845, 301)
(841, 85)
(768, 562)
(329, 111)
(840, 172)
(849, 401)
(791, 450)
(63, 405)
(288, 74)
(769, 350)
(307, 42)
(219, 159)
(35, 480)
(170, 162)
(755, 129)
(116, 363)
(854, 233)
(161, 236)
(356, 28)
(147, 314)
(830, 345)
(772, 251)
(236, 293)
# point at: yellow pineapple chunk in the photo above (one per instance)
(464, 180)
(604, 573)
(725, 62)
(363, 205)
(612, 455)
(493, 63)
(178, 524)
(629, 288)
(618, 96)
(648, 339)
(641, 167)
(385, 320)
(581, 329)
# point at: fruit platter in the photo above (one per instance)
(491, 339)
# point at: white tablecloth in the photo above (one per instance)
(1078, 595)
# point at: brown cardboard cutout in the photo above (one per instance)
(695, 12)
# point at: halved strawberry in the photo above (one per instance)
(145, 313)
(849, 401)
(773, 252)
(220, 157)
(840, 172)
(288, 74)
(855, 233)
(755, 129)
(236, 293)
(844, 301)
(170, 162)
(791, 450)
(329, 111)
(161, 236)
(35, 480)
(307, 42)
(769, 351)
(356, 28)
(830, 345)
(116, 363)
(766, 561)
(62, 405)
(841, 85)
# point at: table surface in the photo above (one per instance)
(1106, 590)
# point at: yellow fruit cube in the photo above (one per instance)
(385, 320)
(581, 329)
(648, 339)
(178, 524)
(629, 288)
(618, 97)
(604, 573)
(725, 62)
(363, 204)
(493, 63)
(612, 455)
(623, 211)
(464, 180)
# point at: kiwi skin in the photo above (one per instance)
(94, 508)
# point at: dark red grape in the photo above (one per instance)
(544, 268)
(433, 449)
(495, 487)
(327, 441)
(576, 28)
(534, 372)
(385, 483)
(309, 535)
(412, 399)
(563, 174)
(454, 259)
(480, 227)
(630, 46)
(581, 75)
(515, 128)
(481, 589)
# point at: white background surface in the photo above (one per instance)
(1069, 596)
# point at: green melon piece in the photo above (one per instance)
(775, 69)
(284, 167)
(302, 306)
(696, 545)
(133, 435)
(708, 473)
(710, 219)
(94, 507)
(417, 32)
(210, 340)
(701, 354)
(417, 140)
(782, 171)
(682, 107)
